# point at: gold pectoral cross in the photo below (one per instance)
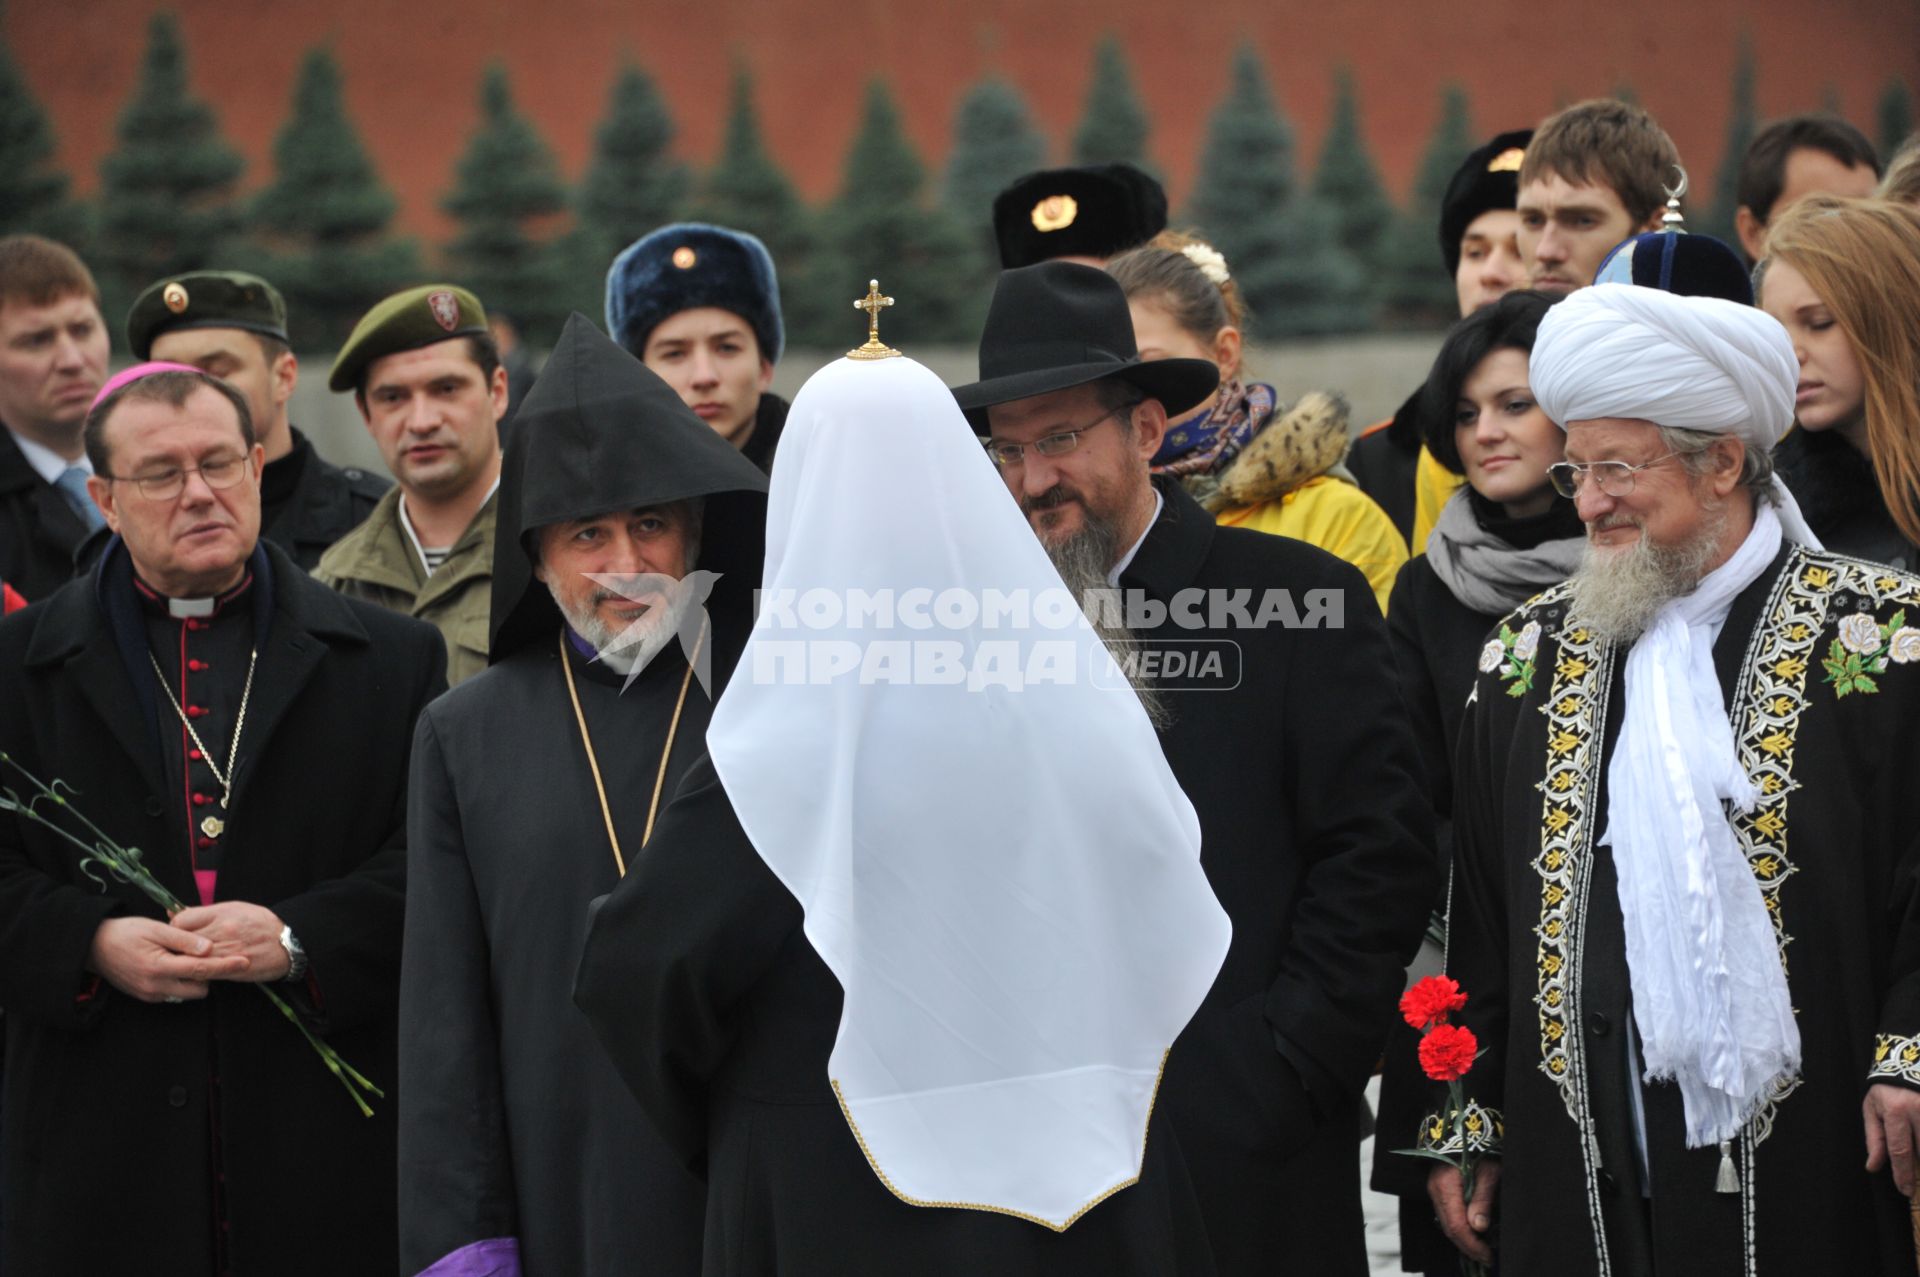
(872, 303)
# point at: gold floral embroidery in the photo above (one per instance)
(1896, 1057)
(1480, 1130)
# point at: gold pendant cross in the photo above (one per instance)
(872, 304)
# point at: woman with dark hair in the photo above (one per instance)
(1500, 539)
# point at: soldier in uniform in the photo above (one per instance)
(234, 326)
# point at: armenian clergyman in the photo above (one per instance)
(535, 786)
(902, 963)
(1685, 906)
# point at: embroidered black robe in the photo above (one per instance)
(1819, 663)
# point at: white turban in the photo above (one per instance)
(1690, 363)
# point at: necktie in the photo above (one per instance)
(73, 486)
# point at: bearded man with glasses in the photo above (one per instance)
(1686, 894)
(1296, 755)
(201, 698)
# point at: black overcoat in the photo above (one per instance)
(1317, 839)
(113, 1106)
(39, 532)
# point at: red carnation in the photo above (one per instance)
(1447, 1051)
(1429, 1001)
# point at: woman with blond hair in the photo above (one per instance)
(1250, 461)
(1843, 276)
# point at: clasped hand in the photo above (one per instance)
(157, 961)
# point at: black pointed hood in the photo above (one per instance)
(600, 432)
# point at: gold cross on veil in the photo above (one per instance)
(872, 303)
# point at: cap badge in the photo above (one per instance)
(175, 298)
(1508, 161)
(445, 308)
(1055, 213)
(685, 257)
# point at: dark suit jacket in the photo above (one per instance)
(39, 531)
(101, 1089)
(1317, 838)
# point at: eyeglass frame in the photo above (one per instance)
(1576, 471)
(1020, 449)
(178, 474)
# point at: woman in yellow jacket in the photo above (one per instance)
(1250, 464)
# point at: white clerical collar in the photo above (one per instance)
(1113, 577)
(47, 463)
(434, 557)
(183, 608)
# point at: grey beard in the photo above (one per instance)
(655, 630)
(1617, 594)
(1083, 561)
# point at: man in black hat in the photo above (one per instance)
(1085, 214)
(234, 326)
(1293, 750)
(535, 785)
(1479, 230)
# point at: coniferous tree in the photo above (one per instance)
(633, 184)
(746, 191)
(33, 192)
(506, 188)
(1742, 123)
(1348, 184)
(883, 224)
(323, 220)
(1113, 127)
(1625, 92)
(1895, 117)
(994, 142)
(1282, 244)
(166, 194)
(1417, 290)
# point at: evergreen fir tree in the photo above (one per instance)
(166, 195)
(1114, 126)
(1742, 123)
(323, 220)
(506, 187)
(33, 193)
(994, 142)
(633, 184)
(1282, 245)
(882, 224)
(1417, 290)
(1348, 184)
(1895, 117)
(746, 191)
(1625, 92)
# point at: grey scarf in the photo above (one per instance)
(1487, 574)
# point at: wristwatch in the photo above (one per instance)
(296, 956)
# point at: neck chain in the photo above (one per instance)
(666, 752)
(212, 826)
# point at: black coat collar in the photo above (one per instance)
(1176, 545)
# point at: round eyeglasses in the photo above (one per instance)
(219, 473)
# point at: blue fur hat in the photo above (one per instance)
(688, 265)
(1675, 262)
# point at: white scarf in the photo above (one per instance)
(1005, 881)
(1709, 993)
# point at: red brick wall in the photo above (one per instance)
(412, 68)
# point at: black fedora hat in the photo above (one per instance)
(1058, 325)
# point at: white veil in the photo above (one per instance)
(1001, 870)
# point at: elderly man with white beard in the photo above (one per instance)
(533, 791)
(1684, 902)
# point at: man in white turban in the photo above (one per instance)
(1685, 905)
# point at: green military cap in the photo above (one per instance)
(206, 299)
(406, 321)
